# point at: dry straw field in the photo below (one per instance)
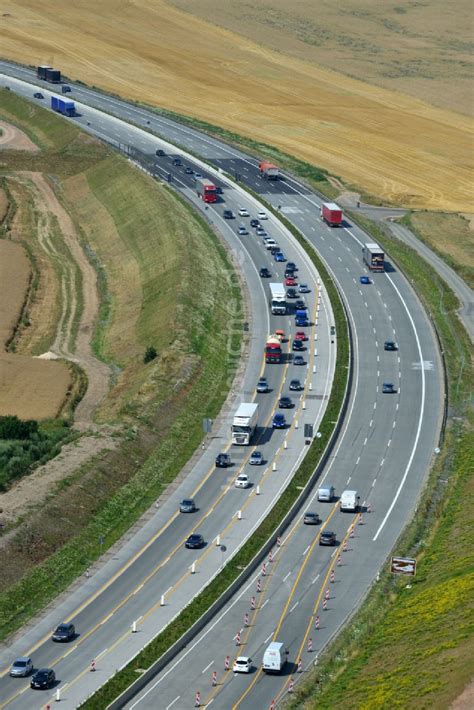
(387, 142)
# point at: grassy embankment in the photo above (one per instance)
(140, 237)
(412, 646)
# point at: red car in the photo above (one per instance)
(301, 335)
(290, 281)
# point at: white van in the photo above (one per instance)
(350, 501)
(274, 657)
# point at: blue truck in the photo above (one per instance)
(63, 106)
(301, 318)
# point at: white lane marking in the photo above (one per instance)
(207, 667)
(374, 482)
(304, 553)
(375, 405)
(349, 479)
(268, 638)
(382, 462)
(376, 343)
(315, 579)
(388, 443)
(138, 588)
(420, 417)
(394, 425)
(365, 441)
(264, 603)
(378, 358)
(173, 702)
(293, 607)
(286, 576)
(102, 653)
(357, 461)
(371, 422)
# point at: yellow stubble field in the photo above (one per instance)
(388, 143)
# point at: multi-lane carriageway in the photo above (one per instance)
(384, 450)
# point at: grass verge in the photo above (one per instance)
(123, 678)
(411, 646)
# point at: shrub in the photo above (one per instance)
(150, 354)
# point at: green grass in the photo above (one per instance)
(413, 647)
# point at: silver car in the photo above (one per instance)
(21, 667)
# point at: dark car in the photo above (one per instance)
(177, 161)
(187, 506)
(327, 538)
(388, 388)
(188, 171)
(254, 223)
(265, 273)
(291, 265)
(279, 256)
(219, 190)
(228, 214)
(311, 518)
(291, 293)
(295, 386)
(300, 305)
(279, 421)
(262, 385)
(223, 460)
(289, 272)
(298, 345)
(38, 95)
(298, 360)
(64, 632)
(160, 152)
(390, 345)
(285, 403)
(43, 679)
(194, 542)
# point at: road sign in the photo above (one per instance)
(403, 565)
(308, 431)
(207, 425)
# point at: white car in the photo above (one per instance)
(270, 243)
(262, 215)
(243, 212)
(242, 481)
(242, 664)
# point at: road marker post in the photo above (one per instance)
(361, 520)
(218, 541)
(259, 585)
(325, 605)
(264, 569)
(253, 604)
(214, 679)
(285, 444)
(339, 561)
(278, 541)
(257, 491)
(310, 645)
(300, 666)
(296, 424)
(92, 666)
(162, 600)
(344, 547)
(317, 623)
(58, 695)
(239, 515)
(197, 700)
(246, 618)
(227, 663)
(327, 594)
(237, 638)
(291, 685)
(193, 568)
(310, 386)
(270, 556)
(274, 466)
(333, 576)
(134, 627)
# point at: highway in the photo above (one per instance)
(384, 451)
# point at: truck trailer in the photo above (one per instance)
(273, 349)
(373, 256)
(207, 191)
(53, 76)
(269, 171)
(277, 299)
(244, 423)
(41, 71)
(64, 106)
(331, 214)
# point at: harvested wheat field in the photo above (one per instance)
(387, 143)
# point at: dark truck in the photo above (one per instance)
(64, 106)
(373, 256)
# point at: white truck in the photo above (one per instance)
(244, 423)
(278, 299)
(350, 501)
(274, 658)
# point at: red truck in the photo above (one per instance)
(331, 214)
(273, 349)
(207, 191)
(268, 170)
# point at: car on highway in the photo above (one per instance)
(256, 458)
(270, 243)
(262, 215)
(261, 232)
(274, 250)
(301, 335)
(389, 388)
(291, 265)
(177, 161)
(279, 256)
(298, 346)
(285, 403)
(160, 152)
(196, 176)
(243, 212)
(223, 461)
(289, 272)
(242, 481)
(291, 293)
(262, 385)
(290, 281)
(300, 305)
(43, 679)
(22, 667)
(301, 321)
(365, 280)
(390, 345)
(310, 518)
(326, 492)
(194, 542)
(279, 421)
(242, 664)
(254, 222)
(304, 288)
(265, 273)
(243, 229)
(327, 537)
(188, 170)
(38, 95)
(228, 214)
(64, 632)
(219, 190)
(295, 386)
(299, 360)
(187, 506)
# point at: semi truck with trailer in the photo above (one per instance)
(206, 189)
(64, 106)
(331, 214)
(277, 299)
(269, 171)
(48, 74)
(41, 71)
(273, 349)
(244, 423)
(373, 256)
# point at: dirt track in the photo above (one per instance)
(13, 139)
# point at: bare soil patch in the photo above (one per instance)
(390, 144)
(12, 138)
